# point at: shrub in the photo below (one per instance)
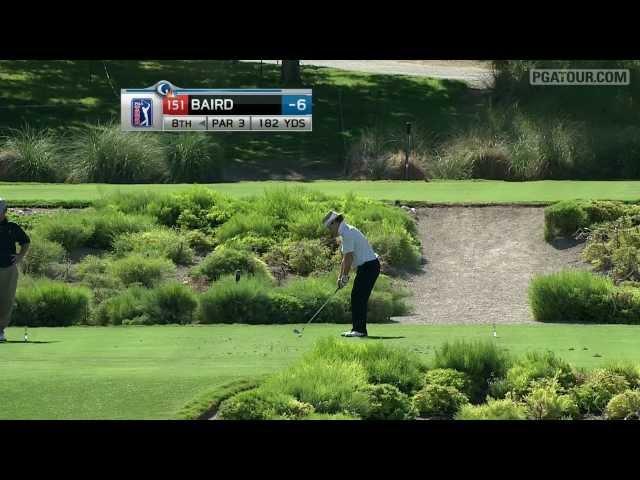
(172, 303)
(228, 301)
(193, 157)
(600, 387)
(628, 370)
(159, 242)
(481, 361)
(251, 243)
(42, 253)
(624, 406)
(331, 416)
(505, 409)
(564, 219)
(302, 257)
(331, 386)
(447, 377)
(32, 156)
(395, 247)
(199, 241)
(48, 303)
(261, 404)
(439, 401)
(572, 297)
(140, 269)
(109, 224)
(285, 308)
(383, 365)
(224, 260)
(129, 307)
(106, 154)
(243, 224)
(386, 402)
(545, 403)
(534, 366)
(68, 229)
(308, 225)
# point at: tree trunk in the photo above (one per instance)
(290, 72)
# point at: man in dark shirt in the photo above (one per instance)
(10, 234)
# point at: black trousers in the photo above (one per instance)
(366, 277)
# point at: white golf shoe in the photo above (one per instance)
(353, 333)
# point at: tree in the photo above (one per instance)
(290, 72)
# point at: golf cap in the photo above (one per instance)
(3, 205)
(330, 217)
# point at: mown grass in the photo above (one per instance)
(447, 192)
(156, 372)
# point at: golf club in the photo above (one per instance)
(299, 332)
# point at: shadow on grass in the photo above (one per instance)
(29, 342)
(374, 337)
(565, 243)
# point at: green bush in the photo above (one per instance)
(244, 224)
(571, 296)
(600, 387)
(628, 370)
(251, 243)
(193, 157)
(199, 241)
(624, 406)
(109, 224)
(483, 362)
(331, 386)
(313, 292)
(106, 154)
(228, 301)
(505, 409)
(261, 404)
(396, 247)
(48, 303)
(129, 307)
(172, 303)
(33, 156)
(439, 401)
(383, 365)
(302, 257)
(140, 269)
(224, 260)
(447, 377)
(546, 403)
(42, 254)
(564, 219)
(331, 416)
(158, 242)
(534, 366)
(68, 229)
(386, 402)
(196, 208)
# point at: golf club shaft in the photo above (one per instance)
(321, 308)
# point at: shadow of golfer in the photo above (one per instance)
(29, 342)
(384, 338)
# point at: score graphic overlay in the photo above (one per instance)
(164, 107)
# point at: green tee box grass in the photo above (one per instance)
(164, 372)
(437, 192)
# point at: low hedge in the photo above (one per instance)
(171, 303)
(564, 218)
(48, 303)
(582, 297)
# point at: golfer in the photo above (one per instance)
(356, 252)
(10, 234)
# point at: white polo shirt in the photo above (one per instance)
(354, 241)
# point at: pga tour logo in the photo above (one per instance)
(141, 112)
(541, 76)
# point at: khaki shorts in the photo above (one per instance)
(8, 285)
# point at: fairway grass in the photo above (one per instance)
(436, 192)
(164, 372)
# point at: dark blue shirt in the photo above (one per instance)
(10, 234)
